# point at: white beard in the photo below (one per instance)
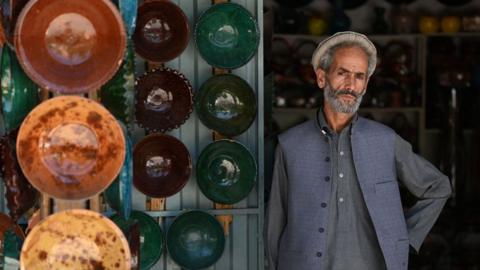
(337, 104)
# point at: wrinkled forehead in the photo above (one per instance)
(352, 59)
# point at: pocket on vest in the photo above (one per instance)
(401, 252)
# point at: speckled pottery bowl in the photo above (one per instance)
(70, 147)
(75, 239)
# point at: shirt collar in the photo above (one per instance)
(325, 128)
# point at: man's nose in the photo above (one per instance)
(349, 81)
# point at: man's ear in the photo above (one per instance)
(321, 77)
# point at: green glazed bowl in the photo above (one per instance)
(119, 194)
(195, 240)
(226, 104)
(19, 95)
(227, 35)
(151, 236)
(226, 172)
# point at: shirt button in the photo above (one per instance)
(341, 175)
(319, 254)
(341, 153)
(323, 205)
(341, 199)
(327, 178)
(321, 230)
(327, 159)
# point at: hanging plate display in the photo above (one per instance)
(161, 165)
(75, 239)
(70, 46)
(226, 104)
(163, 100)
(162, 31)
(70, 147)
(227, 35)
(151, 235)
(195, 240)
(18, 93)
(226, 172)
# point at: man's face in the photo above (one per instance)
(346, 81)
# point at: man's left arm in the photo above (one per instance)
(431, 187)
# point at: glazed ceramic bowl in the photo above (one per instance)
(75, 239)
(70, 147)
(119, 194)
(19, 94)
(163, 100)
(151, 235)
(118, 94)
(9, 13)
(226, 104)
(161, 165)
(162, 31)
(195, 240)
(6, 223)
(226, 172)
(227, 35)
(70, 46)
(18, 192)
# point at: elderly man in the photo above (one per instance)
(335, 201)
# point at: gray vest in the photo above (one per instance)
(306, 151)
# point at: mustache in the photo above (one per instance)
(347, 92)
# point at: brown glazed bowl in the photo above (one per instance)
(161, 32)
(164, 100)
(75, 239)
(161, 165)
(70, 147)
(70, 46)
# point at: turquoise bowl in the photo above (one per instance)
(195, 240)
(227, 35)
